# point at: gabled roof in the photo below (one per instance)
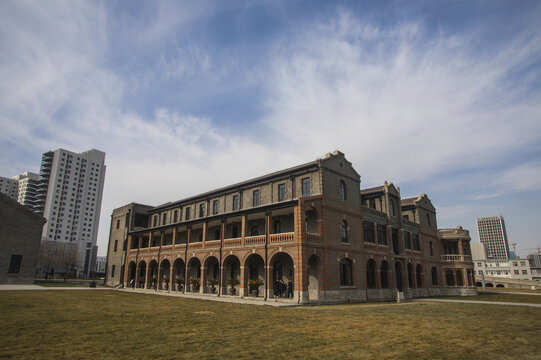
(373, 190)
(409, 201)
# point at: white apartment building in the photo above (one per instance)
(27, 191)
(511, 268)
(69, 196)
(9, 187)
(492, 234)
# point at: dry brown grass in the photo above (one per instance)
(102, 324)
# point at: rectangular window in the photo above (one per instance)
(525, 272)
(116, 244)
(235, 202)
(15, 264)
(416, 244)
(118, 224)
(306, 187)
(201, 210)
(407, 240)
(368, 229)
(113, 271)
(281, 192)
(155, 221)
(164, 218)
(517, 272)
(382, 235)
(188, 213)
(256, 201)
(215, 205)
(175, 216)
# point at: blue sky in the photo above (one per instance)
(438, 97)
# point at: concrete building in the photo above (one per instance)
(492, 234)
(535, 266)
(310, 226)
(518, 269)
(20, 242)
(27, 190)
(101, 265)
(9, 187)
(69, 197)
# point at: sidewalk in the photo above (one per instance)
(222, 298)
(477, 302)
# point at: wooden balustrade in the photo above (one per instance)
(233, 242)
(282, 237)
(254, 240)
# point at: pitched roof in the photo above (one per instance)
(372, 190)
(409, 201)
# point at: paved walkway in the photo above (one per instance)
(478, 302)
(37, 287)
(222, 298)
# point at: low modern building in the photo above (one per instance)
(535, 266)
(310, 227)
(20, 242)
(518, 269)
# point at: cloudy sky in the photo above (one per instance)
(438, 97)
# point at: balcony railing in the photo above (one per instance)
(313, 238)
(212, 243)
(281, 238)
(254, 240)
(455, 257)
(233, 242)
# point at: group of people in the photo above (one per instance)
(282, 290)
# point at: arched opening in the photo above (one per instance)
(152, 281)
(411, 282)
(132, 270)
(434, 276)
(489, 285)
(141, 274)
(449, 278)
(398, 276)
(194, 274)
(212, 274)
(478, 284)
(177, 282)
(459, 278)
(165, 269)
(419, 275)
(346, 272)
(231, 274)
(254, 275)
(282, 275)
(384, 275)
(371, 274)
(313, 277)
(500, 285)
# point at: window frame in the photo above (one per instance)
(281, 192)
(256, 198)
(306, 187)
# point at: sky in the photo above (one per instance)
(437, 97)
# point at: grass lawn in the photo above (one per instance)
(112, 324)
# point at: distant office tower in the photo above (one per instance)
(27, 189)
(9, 187)
(492, 234)
(69, 197)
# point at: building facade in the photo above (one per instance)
(69, 196)
(492, 234)
(310, 227)
(535, 266)
(9, 187)
(516, 268)
(20, 242)
(22, 188)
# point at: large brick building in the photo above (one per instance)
(309, 225)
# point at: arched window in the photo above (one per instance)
(254, 231)
(434, 276)
(371, 274)
(344, 231)
(449, 278)
(346, 272)
(410, 276)
(459, 279)
(384, 273)
(391, 207)
(419, 275)
(342, 190)
(235, 232)
(277, 227)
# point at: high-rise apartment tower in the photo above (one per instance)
(492, 234)
(69, 197)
